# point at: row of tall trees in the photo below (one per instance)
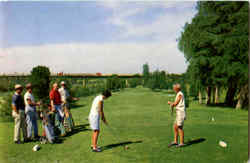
(162, 80)
(115, 83)
(154, 80)
(215, 44)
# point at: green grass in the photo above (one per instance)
(141, 115)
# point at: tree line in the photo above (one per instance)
(215, 44)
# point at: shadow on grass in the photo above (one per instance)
(76, 106)
(221, 105)
(77, 129)
(110, 146)
(195, 141)
(156, 90)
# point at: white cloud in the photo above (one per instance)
(92, 58)
(166, 26)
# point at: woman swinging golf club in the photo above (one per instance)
(94, 118)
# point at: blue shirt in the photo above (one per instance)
(18, 101)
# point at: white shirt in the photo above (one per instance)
(27, 96)
(64, 94)
(95, 106)
(181, 105)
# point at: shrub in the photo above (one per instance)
(156, 80)
(40, 79)
(133, 83)
(4, 85)
(5, 107)
(115, 83)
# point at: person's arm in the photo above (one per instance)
(14, 108)
(52, 105)
(74, 98)
(13, 104)
(51, 95)
(32, 103)
(173, 104)
(101, 113)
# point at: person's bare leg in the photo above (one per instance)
(95, 138)
(175, 133)
(181, 132)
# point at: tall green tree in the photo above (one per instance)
(145, 70)
(145, 73)
(40, 79)
(215, 44)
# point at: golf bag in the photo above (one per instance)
(68, 120)
(48, 126)
(49, 132)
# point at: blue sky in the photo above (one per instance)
(107, 37)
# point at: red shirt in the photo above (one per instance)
(55, 97)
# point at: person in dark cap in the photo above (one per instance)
(97, 113)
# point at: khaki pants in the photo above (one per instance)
(20, 123)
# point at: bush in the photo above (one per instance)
(40, 79)
(4, 85)
(156, 80)
(115, 83)
(7, 84)
(5, 107)
(79, 91)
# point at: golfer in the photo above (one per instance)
(18, 114)
(66, 98)
(180, 116)
(31, 115)
(94, 118)
(56, 104)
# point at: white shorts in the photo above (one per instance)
(94, 122)
(180, 117)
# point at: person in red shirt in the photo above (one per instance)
(55, 102)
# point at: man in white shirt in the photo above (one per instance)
(179, 104)
(95, 114)
(65, 97)
(30, 110)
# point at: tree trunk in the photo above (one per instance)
(208, 95)
(242, 97)
(231, 93)
(200, 97)
(213, 95)
(217, 94)
(127, 84)
(83, 83)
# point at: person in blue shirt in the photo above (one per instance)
(19, 115)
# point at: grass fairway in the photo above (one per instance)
(141, 118)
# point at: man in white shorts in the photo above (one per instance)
(95, 114)
(180, 116)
